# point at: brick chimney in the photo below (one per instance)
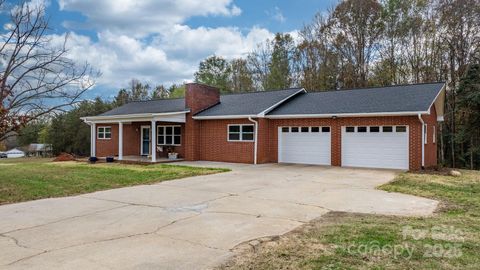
(199, 97)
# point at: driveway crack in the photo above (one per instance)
(293, 202)
(194, 243)
(98, 241)
(17, 243)
(254, 215)
(63, 219)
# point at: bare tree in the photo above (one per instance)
(356, 28)
(36, 76)
(315, 60)
(258, 62)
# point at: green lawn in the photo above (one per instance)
(448, 240)
(30, 179)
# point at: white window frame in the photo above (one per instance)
(104, 132)
(425, 130)
(165, 135)
(240, 132)
(434, 135)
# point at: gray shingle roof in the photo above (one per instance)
(403, 98)
(151, 106)
(392, 99)
(248, 103)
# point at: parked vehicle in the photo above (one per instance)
(3, 155)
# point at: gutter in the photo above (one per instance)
(255, 144)
(423, 140)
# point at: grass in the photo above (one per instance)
(450, 239)
(31, 179)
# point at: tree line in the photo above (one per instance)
(358, 43)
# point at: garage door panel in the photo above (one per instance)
(304, 147)
(375, 149)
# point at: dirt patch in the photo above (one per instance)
(255, 253)
(434, 171)
(64, 157)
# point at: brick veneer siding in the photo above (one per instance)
(214, 145)
(270, 147)
(131, 140)
(431, 147)
(198, 97)
(107, 147)
(211, 142)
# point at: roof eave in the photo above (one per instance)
(218, 117)
(439, 102)
(335, 115)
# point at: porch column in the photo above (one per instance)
(120, 140)
(93, 136)
(154, 140)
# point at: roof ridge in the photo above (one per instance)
(376, 87)
(221, 94)
(262, 91)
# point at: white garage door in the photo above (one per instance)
(375, 146)
(305, 145)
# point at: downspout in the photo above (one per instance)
(90, 123)
(423, 140)
(256, 139)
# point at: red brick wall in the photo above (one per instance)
(214, 145)
(131, 140)
(336, 124)
(107, 147)
(431, 147)
(198, 97)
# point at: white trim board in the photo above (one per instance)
(136, 117)
(345, 115)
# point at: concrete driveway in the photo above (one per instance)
(190, 223)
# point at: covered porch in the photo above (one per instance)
(145, 138)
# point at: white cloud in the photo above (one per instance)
(276, 14)
(163, 60)
(149, 39)
(143, 17)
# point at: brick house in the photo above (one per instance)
(385, 127)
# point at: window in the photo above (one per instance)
(241, 133)
(304, 129)
(425, 133)
(315, 129)
(104, 133)
(285, 129)
(374, 129)
(325, 129)
(350, 129)
(434, 135)
(362, 129)
(294, 129)
(169, 135)
(387, 129)
(401, 129)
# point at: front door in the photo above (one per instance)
(145, 141)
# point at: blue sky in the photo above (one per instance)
(162, 41)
